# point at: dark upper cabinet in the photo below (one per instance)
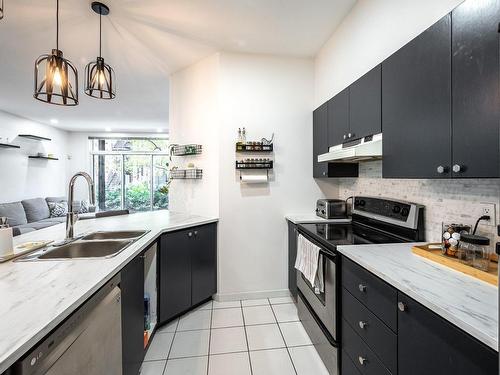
(321, 146)
(320, 140)
(174, 274)
(203, 263)
(365, 104)
(338, 118)
(416, 106)
(476, 107)
(428, 344)
(132, 297)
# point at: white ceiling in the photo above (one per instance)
(145, 41)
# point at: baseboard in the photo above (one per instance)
(224, 297)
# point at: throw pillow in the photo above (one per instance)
(58, 209)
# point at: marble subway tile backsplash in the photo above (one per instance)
(448, 200)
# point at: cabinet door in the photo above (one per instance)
(292, 254)
(416, 106)
(338, 118)
(175, 274)
(320, 140)
(428, 344)
(203, 263)
(132, 289)
(365, 104)
(475, 89)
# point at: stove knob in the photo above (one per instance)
(396, 209)
(362, 203)
(405, 212)
(356, 202)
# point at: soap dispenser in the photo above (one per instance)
(6, 238)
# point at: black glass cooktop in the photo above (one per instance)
(347, 234)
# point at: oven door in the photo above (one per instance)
(324, 305)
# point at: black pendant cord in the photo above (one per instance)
(57, 26)
(100, 32)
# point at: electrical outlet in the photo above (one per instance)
(490, 210)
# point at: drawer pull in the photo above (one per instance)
(362, 360)
(362, 324)
(402, 306)
(362, 288)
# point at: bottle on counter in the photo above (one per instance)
(6, 238)
(239, 139)
(244, 136)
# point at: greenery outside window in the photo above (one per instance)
(130, 173)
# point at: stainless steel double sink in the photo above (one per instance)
(93, 245)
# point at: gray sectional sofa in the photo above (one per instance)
(32, 214)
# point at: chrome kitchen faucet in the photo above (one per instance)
(72, 217)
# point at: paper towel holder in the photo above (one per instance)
(257, 180)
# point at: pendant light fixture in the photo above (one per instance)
(56, 79)
(99, 76)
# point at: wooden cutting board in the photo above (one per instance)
(491, 276)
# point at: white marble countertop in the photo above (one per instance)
(469, 303)
(37, 296)
(313, 219)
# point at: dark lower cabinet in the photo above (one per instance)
(187, 269)
(476, 109)
(428, 344)
(203, 263)
(174, 274)
(132, 291)
(416, 106)
(292, 255)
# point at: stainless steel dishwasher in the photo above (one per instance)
(88, 342)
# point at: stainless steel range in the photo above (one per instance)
(374, 220)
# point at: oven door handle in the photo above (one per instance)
(328, 254)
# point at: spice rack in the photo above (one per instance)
(186, 150)
(186, 174)
(42, 157)
(254, 147)
(254, 164)
(34, 137)
(7, 145)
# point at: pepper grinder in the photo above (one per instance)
(6, 238)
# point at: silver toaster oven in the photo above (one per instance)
(331, 208)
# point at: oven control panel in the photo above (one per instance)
(390, 211)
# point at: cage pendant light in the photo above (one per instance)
(1, 9)
(99, 76)
(56, 79)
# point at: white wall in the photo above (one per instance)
(266, 95)
(23, 178)
(371, 32)
(194, 118)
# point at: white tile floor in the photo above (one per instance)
(252, 337)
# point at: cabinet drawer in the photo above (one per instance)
(364, 359)
(371, 329)
(348, 367)
(374, 293)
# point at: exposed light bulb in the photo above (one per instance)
(57, 79)
(102, 78)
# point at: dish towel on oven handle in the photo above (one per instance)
(309, 261)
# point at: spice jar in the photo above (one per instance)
(451, 237)
(474, 250)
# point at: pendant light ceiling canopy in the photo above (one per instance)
(99, 76)
(56, 79)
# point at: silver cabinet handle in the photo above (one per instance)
(195, 233)
(402, 306)
(350, 135)
(457, 168)
(362, 360)
(324, 173)
(362, 288)
(190, 234)
(345, 136)
(440, 169)
(362, 324)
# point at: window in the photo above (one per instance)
(130, 173)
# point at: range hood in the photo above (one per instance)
(364, 149)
